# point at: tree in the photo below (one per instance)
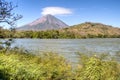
(6, 15)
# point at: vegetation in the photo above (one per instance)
(6, 15)
(18, 64)
(93, 30)
(85, 30)
(98, 68)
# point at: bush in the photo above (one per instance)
(18, 64)
(47, 66)
(96, 69)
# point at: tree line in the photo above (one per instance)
(50, 34)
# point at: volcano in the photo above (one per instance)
(47, 22)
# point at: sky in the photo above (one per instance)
(71, 12)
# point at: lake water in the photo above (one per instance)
(69, 47)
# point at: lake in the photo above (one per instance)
(69, 47)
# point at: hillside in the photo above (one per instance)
(47, 22)
(89, 29)
(84, 30)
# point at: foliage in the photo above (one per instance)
(84, 30)
(7, 16)
(19, 64)
(94, 68)
(6, 44)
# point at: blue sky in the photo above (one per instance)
(71, 12)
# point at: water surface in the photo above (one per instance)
(69, 47)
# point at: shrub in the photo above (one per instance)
(95, 68)
(18, 64)
(47, 66)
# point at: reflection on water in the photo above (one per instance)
(69, 47)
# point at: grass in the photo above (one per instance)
(17, 64)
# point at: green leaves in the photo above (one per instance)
(97, 69)
(19, 65)
(24, 66)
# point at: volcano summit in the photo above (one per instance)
(47, 22)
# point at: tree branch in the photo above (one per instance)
(6, 14)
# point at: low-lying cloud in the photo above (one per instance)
(56, 11)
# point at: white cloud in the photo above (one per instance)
(56, 11)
